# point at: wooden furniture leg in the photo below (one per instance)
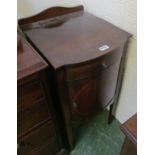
(111, 117)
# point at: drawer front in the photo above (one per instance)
(37, 138)
(29, 94)
(112, 57)
(92, 68)
(32, 117)
(83, 71)
(50, 148)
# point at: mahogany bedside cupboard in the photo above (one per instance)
(86, 55)
(36, 125)
(129, 128)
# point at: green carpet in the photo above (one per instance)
(96, 137)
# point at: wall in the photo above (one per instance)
(122, 14)
(29, 7)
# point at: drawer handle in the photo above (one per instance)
(104, 64)
(75, 104)
(22, 146)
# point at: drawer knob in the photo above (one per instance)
(22, 146)
(75, 104)
(104, 64)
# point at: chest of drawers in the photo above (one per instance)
(86, 56)
(37, 129)
(129, 128)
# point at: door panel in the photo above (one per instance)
(84, 98)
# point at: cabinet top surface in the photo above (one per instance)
(28, 60)
(130, 128)
(74, 38)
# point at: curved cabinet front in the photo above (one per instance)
(84, 98)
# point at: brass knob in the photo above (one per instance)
(22, 146)
(75, 104)
(104, 64)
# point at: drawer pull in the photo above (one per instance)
(75, 105)
(22, 146)
(104, 64)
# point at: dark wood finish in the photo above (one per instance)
(84, 47)
(111, 117)
(28, 61)
(48, 13)
(87, 79)
(19, 45)
(37, 126)
(129, 128)
(128, 148)
(31, 142)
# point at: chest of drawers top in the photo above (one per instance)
(28, 60)
(73, 38)
(129, 128)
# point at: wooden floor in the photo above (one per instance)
(96, 137)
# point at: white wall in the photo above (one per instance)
(121, 13)
(30, 7)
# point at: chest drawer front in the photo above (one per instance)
(37, 138)
(50, 148)
(83, 71)
(30, 93)
(92, 68)
(112, 57)
(32, 117)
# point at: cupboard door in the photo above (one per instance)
(84, 98)
(90, 95)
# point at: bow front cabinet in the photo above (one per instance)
(86, 56)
